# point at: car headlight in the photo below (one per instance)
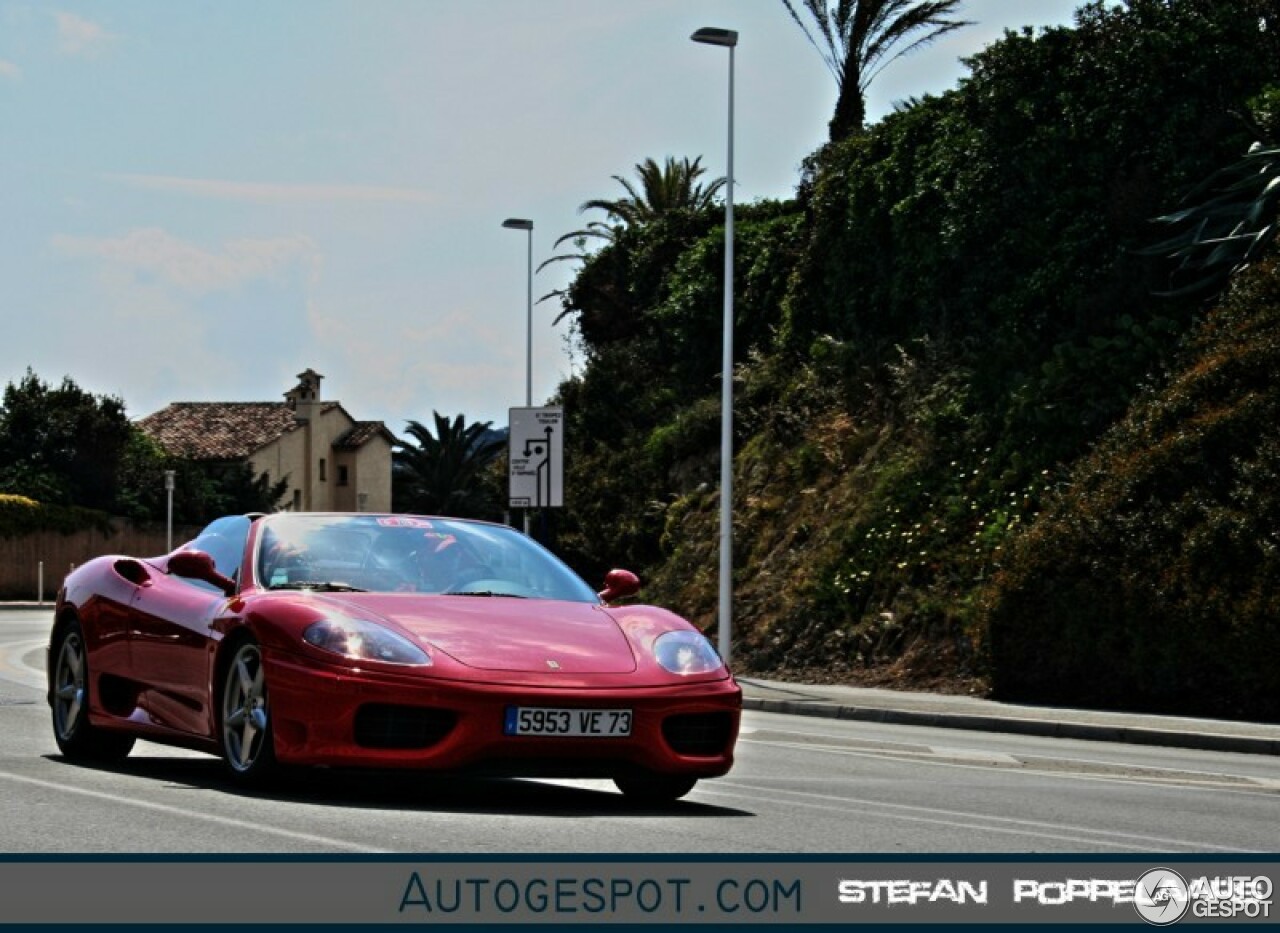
(363, 641)
(686, 653)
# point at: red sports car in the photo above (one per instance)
(395, 641)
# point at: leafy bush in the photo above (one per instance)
(1152, 580)
(642, 418)
(20, 515)
(996, 217)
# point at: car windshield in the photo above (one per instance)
(410, 554)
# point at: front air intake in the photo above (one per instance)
(384, 725)
(701, 734)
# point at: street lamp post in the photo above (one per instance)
(168, 488)
(726, 38)
(516, 223)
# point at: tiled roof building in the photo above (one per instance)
(332, 461)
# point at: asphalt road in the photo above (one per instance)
(801, 785)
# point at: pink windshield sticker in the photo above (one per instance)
(401, 521)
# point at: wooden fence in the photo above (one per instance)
(22, 559)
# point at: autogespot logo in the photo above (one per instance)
(1161, 896)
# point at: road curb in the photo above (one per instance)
(1049, 728)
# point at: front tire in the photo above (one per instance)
(248, 745)
(77, 739)
(654, 788)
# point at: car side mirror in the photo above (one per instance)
(619, 584)
(198, 565)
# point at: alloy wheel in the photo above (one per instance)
(69, 686)
(244, 710)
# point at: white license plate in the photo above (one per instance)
(573, 723)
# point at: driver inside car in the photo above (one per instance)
(445, 564)
(425, 561)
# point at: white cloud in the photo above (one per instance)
(157, 253)
(79, 37)
(9, 70)
(263, 193)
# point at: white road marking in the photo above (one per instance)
(116, 800)
(14, 667)
(1039, 766)
(953, 818)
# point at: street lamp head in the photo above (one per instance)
(710, 35)
(515, 223)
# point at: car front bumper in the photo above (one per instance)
(337, 716)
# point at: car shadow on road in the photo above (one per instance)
(412, 790)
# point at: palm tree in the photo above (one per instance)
(669, 187)
(443, 473)
(861, 37)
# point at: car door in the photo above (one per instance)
(173, 639)
(108, 622)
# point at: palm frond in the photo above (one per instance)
(1229, 219)
(860, 38)
(657, 189)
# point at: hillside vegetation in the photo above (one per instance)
(976, 448)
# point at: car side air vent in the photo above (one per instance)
(132, 571)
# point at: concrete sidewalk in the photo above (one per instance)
(961, 712)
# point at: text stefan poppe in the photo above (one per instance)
(1218, 896)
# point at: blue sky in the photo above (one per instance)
(202, 198)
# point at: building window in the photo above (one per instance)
(323, 464)
(297, 500)
(342, 475)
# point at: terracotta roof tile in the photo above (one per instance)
(234, 430)
(218, 430)
(361, 433)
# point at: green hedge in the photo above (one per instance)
(20, 515)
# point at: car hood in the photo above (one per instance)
(498, 633)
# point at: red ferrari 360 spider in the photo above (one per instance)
(385, 641)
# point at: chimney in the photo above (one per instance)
(304, 398)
